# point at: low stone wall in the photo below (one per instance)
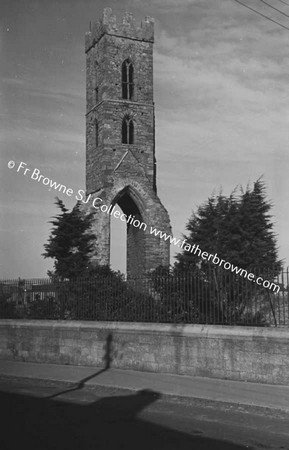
(235, 353)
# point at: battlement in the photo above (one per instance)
(128, 28)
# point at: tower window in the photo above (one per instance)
(127, 131)
(127, 80)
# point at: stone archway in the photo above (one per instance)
(136, 227)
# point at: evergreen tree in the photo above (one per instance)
(238, 229)
(70, 242)
(258, 247)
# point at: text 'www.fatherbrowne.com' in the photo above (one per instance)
(215, 259)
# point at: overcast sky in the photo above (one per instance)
(221, 88)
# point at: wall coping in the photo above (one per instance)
(204, 331)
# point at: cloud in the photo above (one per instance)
(219, 97)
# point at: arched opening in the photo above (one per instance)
(130, 228)
(127, 131)
(127, 80)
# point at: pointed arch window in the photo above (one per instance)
(127, 131)
(127, 80)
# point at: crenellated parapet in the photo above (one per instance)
(127, 28)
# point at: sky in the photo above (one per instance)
(221, 91)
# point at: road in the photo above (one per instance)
(45, 415)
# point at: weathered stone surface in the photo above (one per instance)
(201, 350)
(116, 172)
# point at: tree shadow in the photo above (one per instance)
(108, 424)
(107, 358)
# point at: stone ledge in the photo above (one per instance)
(204, 331)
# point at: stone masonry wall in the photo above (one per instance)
(235, 353)
(108, 108)
(116, 172)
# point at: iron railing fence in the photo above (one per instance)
(216, 296)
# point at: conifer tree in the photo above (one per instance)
(70, 242)
(238, 229)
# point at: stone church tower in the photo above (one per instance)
(120, 140)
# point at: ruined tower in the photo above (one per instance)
(120, 140)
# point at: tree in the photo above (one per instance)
(80, 290)
(70, 242)
(238, 229)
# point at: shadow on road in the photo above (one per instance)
(107, 358)
(111, 423)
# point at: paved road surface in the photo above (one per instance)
(45, 415)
